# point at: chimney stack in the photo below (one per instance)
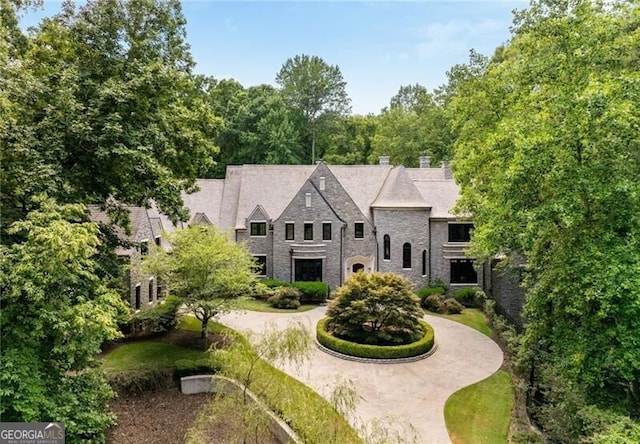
(446, 170)
(384, 160)
(425, 162)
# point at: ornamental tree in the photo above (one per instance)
(376, 308)
(204, 268)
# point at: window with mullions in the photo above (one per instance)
(258, 228)
(359, 230)
(462, 272)
(406, 255)
(326, 231)
(460, 232)
(289, 231)
(386, 254)
(308, 231)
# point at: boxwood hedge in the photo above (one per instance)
(375, 351)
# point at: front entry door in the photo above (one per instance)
(308, 270)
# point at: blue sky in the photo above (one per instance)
(378, 45)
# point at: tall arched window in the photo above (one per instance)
(387, 247)
(424, 262)
(406, 255)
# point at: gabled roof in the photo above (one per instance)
(399, 191)
(441, 195)
(362, 182)
(200, 218)
(208, 200)
(138, 217)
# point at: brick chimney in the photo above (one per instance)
(384, 160)
(446, 170)
(425, 162)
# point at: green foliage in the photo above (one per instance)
(470, 297)
(474, 318)
(438, 303)
(419, 347)
(285, 297)
(55, 313)
(146, 354)
(423, 292)
(190, 367)
(375, 308)
(160, 318)
(547, 161)
(315, 90)
(205, 269)
(312, 292)
(480, 413)
(274, 283)
(134, 382)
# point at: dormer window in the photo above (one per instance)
(158, 240)
(258, 228)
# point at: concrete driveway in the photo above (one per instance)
(411, 395)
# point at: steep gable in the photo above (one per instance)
(399, 191)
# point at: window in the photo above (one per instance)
(462, 272)
(307, 200)
(359, 230)
(150, 290)
(357, 268)
(258, 228)
(159, 288)
(322, 183)
(308, 231)
(424, 262)
(386, 254)
(138, 297)
(144, 247)
(326, 231)
(460, 232)
(289, 231)
(406, 255)
(158, 240)
(261, 265)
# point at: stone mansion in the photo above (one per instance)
(325, 222)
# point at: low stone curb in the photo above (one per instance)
(376, 361)
(190, 385)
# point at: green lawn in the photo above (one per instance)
(471, 317)
(264, 306)
(147, 354)
(480, 413)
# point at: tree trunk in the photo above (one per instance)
(203, 330)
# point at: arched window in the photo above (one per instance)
(424, 262)
(387, 248)
(357, 267)
(406, 255)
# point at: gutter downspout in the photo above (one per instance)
(342, 228)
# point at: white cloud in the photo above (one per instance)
(455, 36)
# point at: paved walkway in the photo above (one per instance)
(412, 393)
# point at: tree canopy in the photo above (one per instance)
(548, 160)
(204, 268)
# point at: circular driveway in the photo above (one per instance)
(411, 395)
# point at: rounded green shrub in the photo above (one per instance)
(285, 297)
(438, 303)
(417, 348)
(470, 297)
(425, 292)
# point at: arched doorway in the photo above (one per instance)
(357, 267)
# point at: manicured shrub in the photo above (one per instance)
(189, 367)
(312, 292)
(274, 283)
(425, 292)
(376, 308)
(261, 291)
(285, 297)
(470, 297)
(438, 303)
(160, 318)
(419, 347)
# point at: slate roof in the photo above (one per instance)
(399, 191)
(137, 216)
(440, 194)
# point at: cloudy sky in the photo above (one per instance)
(378, 45)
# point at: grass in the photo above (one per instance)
(310, 415)
(147, 354)
(480, 413)
(263, 306)
(471, 317)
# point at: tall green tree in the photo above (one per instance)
(315, 90)
(548, 160)
(350, 142)
(99, 103)
(415, 123)
(55, 313)
(204, 268)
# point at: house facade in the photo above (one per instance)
(325, 222)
